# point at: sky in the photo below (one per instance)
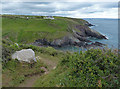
(70, 8)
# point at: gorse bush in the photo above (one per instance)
(7, 50)
(93, 68)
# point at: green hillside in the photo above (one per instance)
(20, 29)
(97, 67)
(92, 68)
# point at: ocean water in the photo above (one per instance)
(107, 27)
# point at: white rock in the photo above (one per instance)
(26, 55)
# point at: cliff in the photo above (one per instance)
(60, 31)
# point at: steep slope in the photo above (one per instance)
(15, 73)
(60, 31)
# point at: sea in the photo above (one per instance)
(107, 27)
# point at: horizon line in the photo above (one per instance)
(61, 16)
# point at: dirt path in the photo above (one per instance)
(50, 63)
(29, 82)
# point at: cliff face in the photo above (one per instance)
(60, 31)
(76, 38)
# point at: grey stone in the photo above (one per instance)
(26, 55)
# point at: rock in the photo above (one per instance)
(43, 41)
(95, 34)
(95, 44)
(57, 42)
(74, 38)
(84, 39)
(98, 44)
(85, 31)
(26, 55)
(67, 40)
(89, 24)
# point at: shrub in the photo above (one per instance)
(94, 68)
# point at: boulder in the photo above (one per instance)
(26, 55)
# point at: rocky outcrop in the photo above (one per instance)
(85, 31)
(76, 38)
(25, 55)
(94, 44)
(95, 34)
(88, 24)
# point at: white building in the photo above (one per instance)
(48, 17)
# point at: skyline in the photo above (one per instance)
(65, 9)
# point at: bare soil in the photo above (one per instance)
(29, 82)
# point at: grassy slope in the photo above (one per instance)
(95, 63)
(22, 30)
(14, 73)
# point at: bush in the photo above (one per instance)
(47, 50)
(94, 68)
(8, 48)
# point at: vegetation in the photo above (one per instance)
(93, 68)
(20, 29)
(15, 72)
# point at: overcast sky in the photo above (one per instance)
(67, 9)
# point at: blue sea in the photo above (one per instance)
(107, 27)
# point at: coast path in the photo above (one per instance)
(51, 65)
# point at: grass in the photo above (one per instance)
(15, 72)
(92, 68)
(100, 66)
(52, 79)
(28, 30)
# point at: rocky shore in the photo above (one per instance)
(76, 38)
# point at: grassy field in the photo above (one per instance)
(20, 29)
